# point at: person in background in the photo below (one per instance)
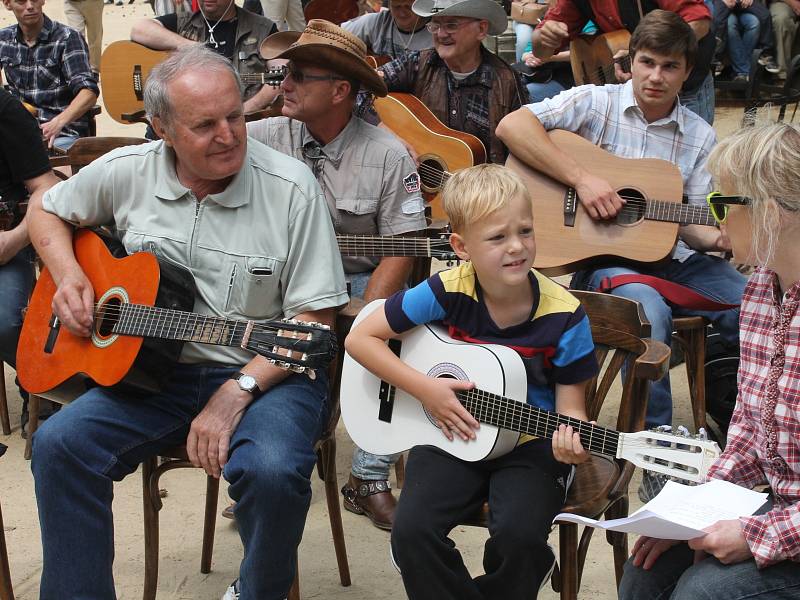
(86, 17)
(785, 17)
(393, 32)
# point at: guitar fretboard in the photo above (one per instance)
(503, 412)
(163, 323)
(674, 212)
(364, 245)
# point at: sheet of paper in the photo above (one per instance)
(681, 512)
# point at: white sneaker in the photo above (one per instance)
(233, 592)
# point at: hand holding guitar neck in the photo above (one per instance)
(552, 36)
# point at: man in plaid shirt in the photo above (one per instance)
(46, 64)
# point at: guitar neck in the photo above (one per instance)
(499, 411)
(167, 324)
(365, 245)
(674, 212)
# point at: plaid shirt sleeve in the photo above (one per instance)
(75, 64)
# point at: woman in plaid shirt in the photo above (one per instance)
(755, 556)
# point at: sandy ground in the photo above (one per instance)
(181, 529)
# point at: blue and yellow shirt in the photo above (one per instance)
(555, 343)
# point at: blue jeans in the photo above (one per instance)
(708, 275)
(16, 283)
(524, 33)
(365, 465)
(64, 142)
(701, 99)
(743, 30)
(542, 91)
(675, 577)
(102, 436)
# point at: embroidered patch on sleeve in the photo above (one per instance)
(411, 182)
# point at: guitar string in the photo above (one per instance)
(549, 420)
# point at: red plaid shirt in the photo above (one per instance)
(764, 435)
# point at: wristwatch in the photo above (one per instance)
(247, 383)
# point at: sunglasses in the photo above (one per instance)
(299, 77)
(449, 27)
(718, 204)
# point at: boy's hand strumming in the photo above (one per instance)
(440, 400)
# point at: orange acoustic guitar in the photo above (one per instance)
(124, 67)
(592, 57)
(142, 318)
(645, 230)
(441, 150)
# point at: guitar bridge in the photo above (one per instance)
(570, 207)
(138, 87)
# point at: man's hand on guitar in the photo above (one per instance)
(598, 197)
(73, 303)
(567, 447)
(621, 74)
(440, 401)
(552, 35)
(210, 434)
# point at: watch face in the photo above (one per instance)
(247, 383)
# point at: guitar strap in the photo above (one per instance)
(675, 293)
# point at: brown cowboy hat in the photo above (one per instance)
(328, 46)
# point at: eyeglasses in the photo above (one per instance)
(299, 77)
(718, 204)
(449, 27)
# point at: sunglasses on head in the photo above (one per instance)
(718, 204)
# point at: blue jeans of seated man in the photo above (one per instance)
(524, 35)
(543, 91)
(101, 437)
(16, 283)
(708, 275)
(365, 465)
(64, 142)
(701, 99)
(743, 31)
(675, 577)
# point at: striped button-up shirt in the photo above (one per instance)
(609, 117)
(50, 73)
(764, 435)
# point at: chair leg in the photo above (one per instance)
(400, 470)
(6, 592)
(294, 591)
(618, 540)
(4, 420)
(698, 346)
(209, 524)
(33, 423)
(150, 530)
(568, 551)
(328, 458)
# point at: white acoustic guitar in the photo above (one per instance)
(383, 419)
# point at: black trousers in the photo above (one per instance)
(525, 489)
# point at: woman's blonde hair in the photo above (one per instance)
(763, 163)
(472, 194)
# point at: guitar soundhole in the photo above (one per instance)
(107, 317)
(431, 173)
(634, 209)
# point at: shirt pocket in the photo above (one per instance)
(251, 285)
(357, 215)
(48, 74)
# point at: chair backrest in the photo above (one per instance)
(87, 149)
(619, 331)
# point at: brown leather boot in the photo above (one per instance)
(371, 498)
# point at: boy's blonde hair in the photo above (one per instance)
(763, 163)
(472, 194)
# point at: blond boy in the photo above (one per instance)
(493, 297)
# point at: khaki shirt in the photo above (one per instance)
(262, 249)
(368, 178)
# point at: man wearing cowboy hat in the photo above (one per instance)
(467, 87)
(369, 181)
(225, 28)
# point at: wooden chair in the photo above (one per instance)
(87, 149)
(600, 487)
(176, 458)
(690, 334)
(6, 591)
(5, 422)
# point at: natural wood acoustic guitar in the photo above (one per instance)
(143, 315)
(441, 150)
(645, 230)
(592, 57)
(124, 67)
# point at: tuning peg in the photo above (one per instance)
(683, 431)
(702, 434)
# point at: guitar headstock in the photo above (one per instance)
(441, 248)
(298, 346)
(681, 456)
